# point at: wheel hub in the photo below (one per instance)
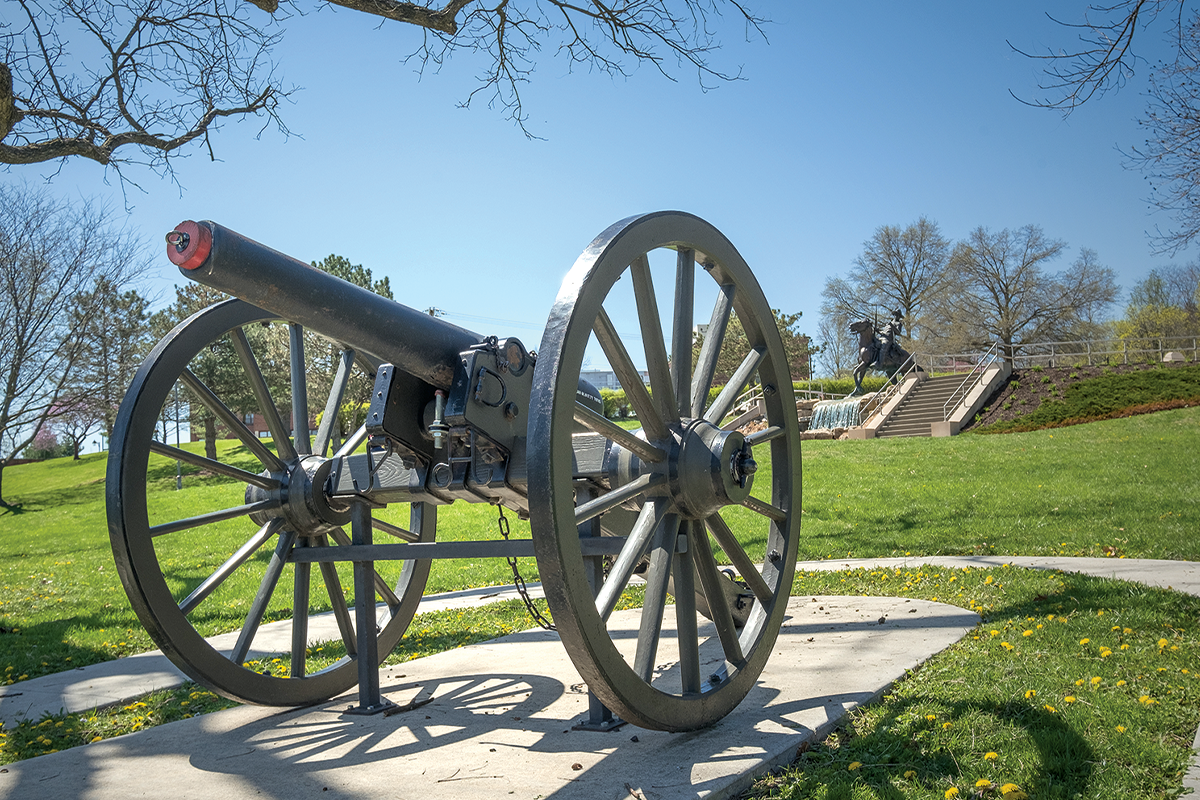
(707, 468)
(302, 499)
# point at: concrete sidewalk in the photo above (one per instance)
(120, 681)
(501, 711)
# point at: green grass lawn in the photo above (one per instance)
(1126, 487)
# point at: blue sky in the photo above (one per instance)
(851, 117)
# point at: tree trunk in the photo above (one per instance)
(210, 436)
(3, 502)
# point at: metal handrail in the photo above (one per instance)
(986, 360)
(877, 402)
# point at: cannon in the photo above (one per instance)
(683, 511)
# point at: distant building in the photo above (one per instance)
(607, 379)
(257, 425)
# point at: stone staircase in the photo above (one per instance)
(922, 407)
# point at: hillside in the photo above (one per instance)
(1044, 397)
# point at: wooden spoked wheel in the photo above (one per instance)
(220, 554)
(680, 489)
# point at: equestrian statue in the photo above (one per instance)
(880, 350)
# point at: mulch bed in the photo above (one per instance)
(1034, 387)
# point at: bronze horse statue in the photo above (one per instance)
(875, 352)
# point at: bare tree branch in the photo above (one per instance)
(136, 81)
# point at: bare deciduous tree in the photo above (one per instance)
(52, 252)
(897, 269)
(135, 81)
(1003, 292)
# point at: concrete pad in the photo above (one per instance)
(499, 724)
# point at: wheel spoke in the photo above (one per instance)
(242, 475)
(737, 383)
(212, 516)
(210, 584)
(261, 600)
(628, 376)
(687, 635)
(714, 595)
(765, 435)
(706, 364)
(394, 530)
(336, 394)
(352, 444)
(337, 601)
(609, 501)
(652, 340)
(302, 442)
(239, 429)
(635, 546)
(681, 328)
(657, 577)
(599, 424)
(300, 596)
(766, 509)
(741, 562)
(262, 394)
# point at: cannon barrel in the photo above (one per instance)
(419, 344)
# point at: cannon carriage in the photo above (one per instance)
(457, 416)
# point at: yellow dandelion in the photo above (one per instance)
(983, 783)
(1050, 708)
(951, 792)
(1069, 698)
(994, 633)
(1084, 640)
(931, 717)
(1027, 633)
(1146, 700)
(853, 766)
(946, 725)
(1127, 630)
(1010, 791)
(1030, 693)
(910, 774)
(1006, 646)
(1096, 680)
(1120, 683)
(990, 756)
(1124, 647)
(1120, 729)
(1162, 643)
(1079, 682)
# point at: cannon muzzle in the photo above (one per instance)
(417, 343)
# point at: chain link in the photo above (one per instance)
(518, 581)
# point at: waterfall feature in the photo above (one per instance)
(832, 414)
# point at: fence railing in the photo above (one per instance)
(888, 391)
(993, 354)
(1091, 352)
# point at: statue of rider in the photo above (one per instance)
(888, 337)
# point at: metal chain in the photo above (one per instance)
(518, 581)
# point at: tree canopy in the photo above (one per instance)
(53, 254)
(136, 81)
